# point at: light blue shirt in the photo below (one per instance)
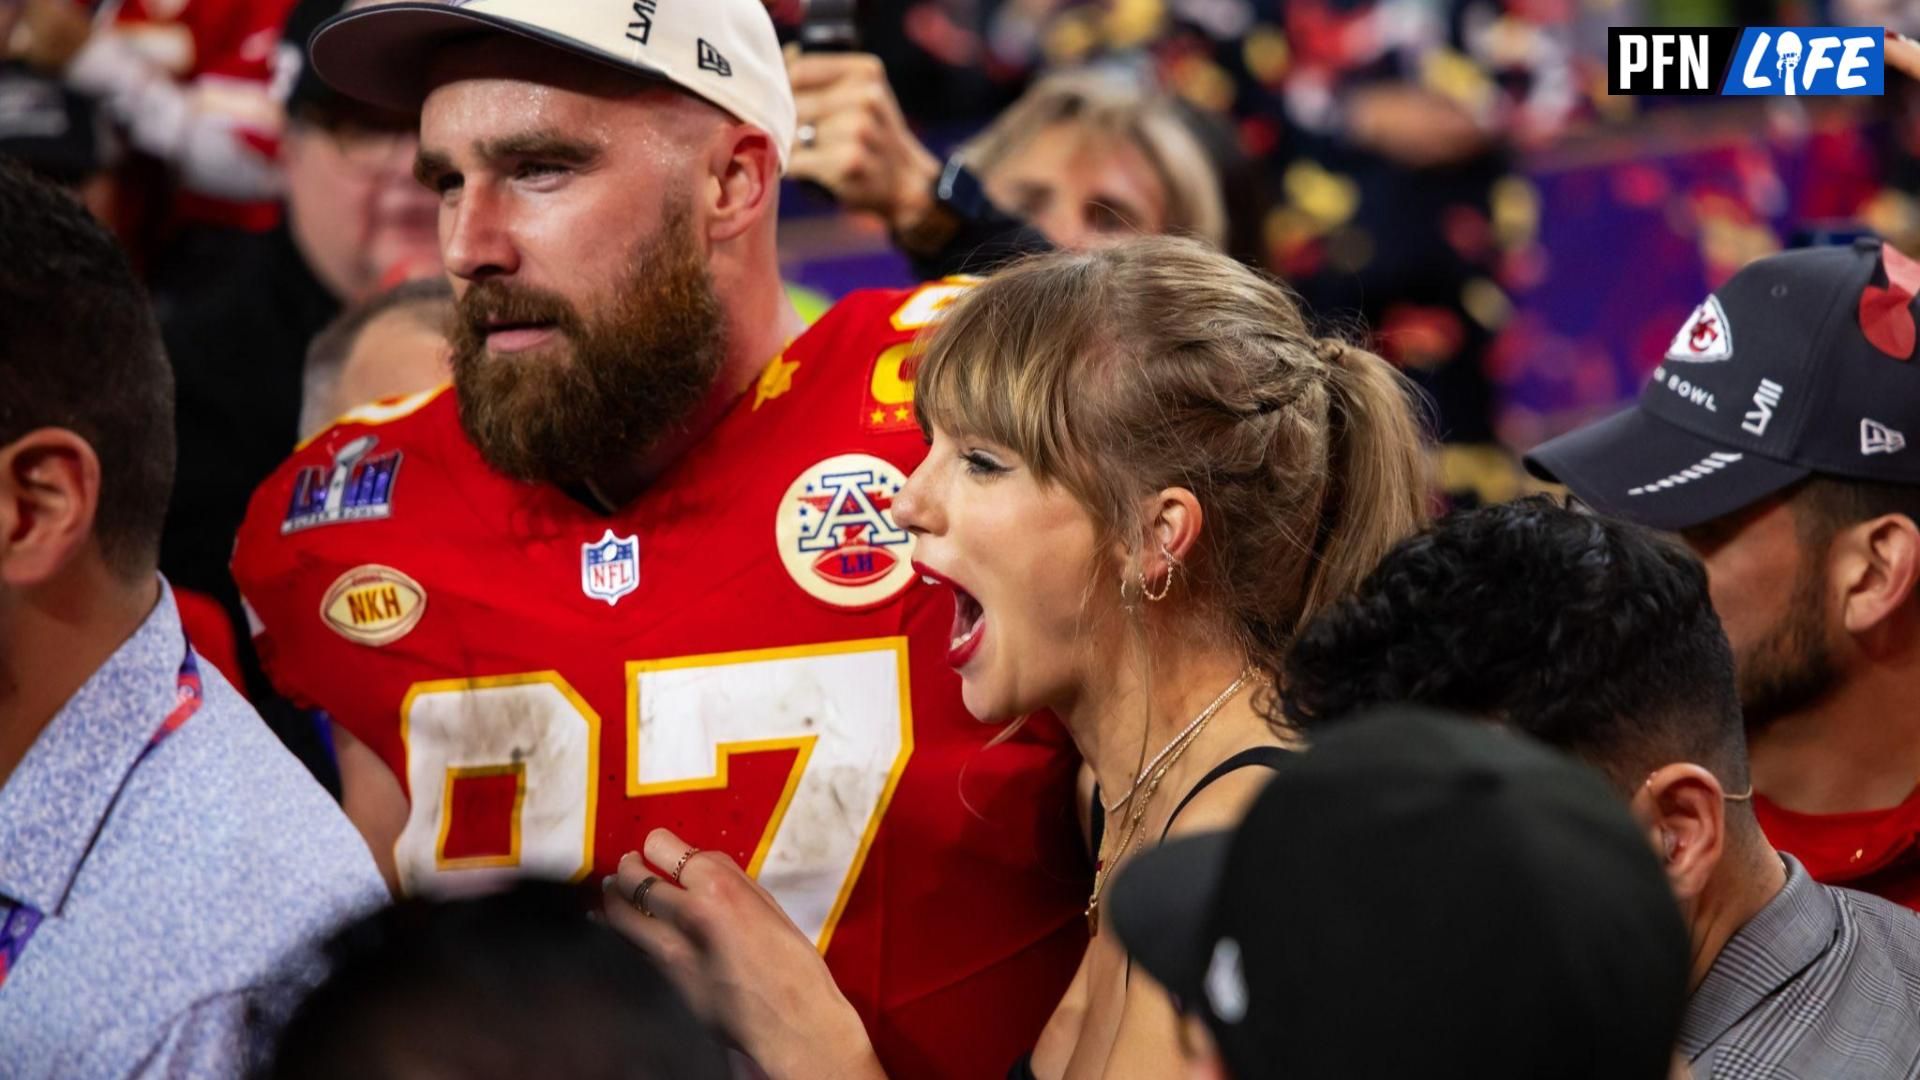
(180, 893)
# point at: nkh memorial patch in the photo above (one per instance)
(836, 534)
(373, 605)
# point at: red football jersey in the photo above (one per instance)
(192, 39)
(743, 654)
(1872, 851)
(227, 54)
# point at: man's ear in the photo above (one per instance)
(49, 495)
(1198, 1048)
(1684, 809)
(1877, 562)
(744, 167)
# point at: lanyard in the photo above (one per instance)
(186, 702)
(19, 921)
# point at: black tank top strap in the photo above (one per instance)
(1096, 823)
(1269, 757)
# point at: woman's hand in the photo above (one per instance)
(854, 140)
(46, 34)
(1903, 55)
(10, 12)
(739, 959)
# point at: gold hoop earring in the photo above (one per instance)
(1173, 568)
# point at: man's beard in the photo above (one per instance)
(613, 387)
(1791, 667)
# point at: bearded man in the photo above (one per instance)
(1773, 438)
(639, 569)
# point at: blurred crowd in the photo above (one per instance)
(1405, 244)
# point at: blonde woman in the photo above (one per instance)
(1145, 474)
(1087, 158)
(1095, 156)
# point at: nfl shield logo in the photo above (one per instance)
(610, 567)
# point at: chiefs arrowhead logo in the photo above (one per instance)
(1705, 337)
(1886, 314)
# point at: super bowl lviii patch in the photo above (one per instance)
(358, 486)
(836, 534)
(373, 605)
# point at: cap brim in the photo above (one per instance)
(1160, 906)
(382, 54)
(1643, 469)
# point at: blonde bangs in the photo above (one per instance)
(1008, 364)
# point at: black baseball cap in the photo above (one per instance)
(1801, 363)
(309, 96)
(48, 128)
(308, 91)
(1419, 895)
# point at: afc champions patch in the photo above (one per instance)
(1705, 337)
(373, 605)
(610, 567)
(836, 534)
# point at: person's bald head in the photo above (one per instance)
(392, 345)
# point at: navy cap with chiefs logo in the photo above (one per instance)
(1801, 363)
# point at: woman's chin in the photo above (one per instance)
(986, 704)
(979, 703)
(995, 708)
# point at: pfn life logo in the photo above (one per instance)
(1770, 61)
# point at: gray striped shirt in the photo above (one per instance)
(1822, 984)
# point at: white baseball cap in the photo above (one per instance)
(724, 51)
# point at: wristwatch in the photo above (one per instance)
(959, 200)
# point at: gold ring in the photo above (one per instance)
(682, 864)
(640, 894)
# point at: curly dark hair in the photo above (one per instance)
(502, 985)
(1595, 636)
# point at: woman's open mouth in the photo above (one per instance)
(969, 619)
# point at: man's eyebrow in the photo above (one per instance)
(541, 145)
(429, 165)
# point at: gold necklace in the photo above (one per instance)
(1175, 751)
(1205, 715)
